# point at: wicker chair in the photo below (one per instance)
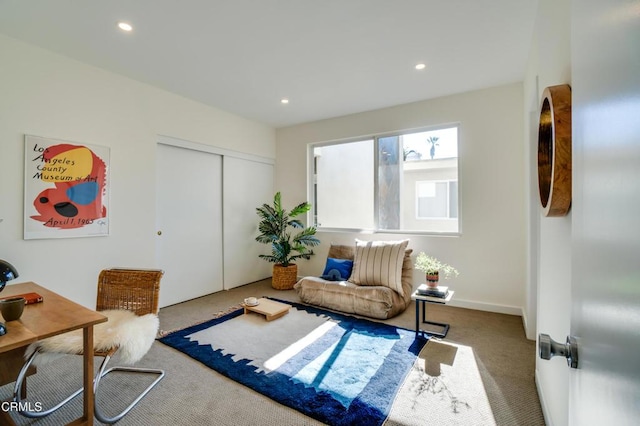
(119, 289)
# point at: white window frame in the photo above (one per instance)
(311, 180)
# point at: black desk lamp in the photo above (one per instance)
(7, 273)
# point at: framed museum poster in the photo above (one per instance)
(66, 189)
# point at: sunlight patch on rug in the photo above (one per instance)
(279, 359)
(250, 337)
(444, 386)
(335, 369)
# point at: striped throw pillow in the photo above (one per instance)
(379, 263)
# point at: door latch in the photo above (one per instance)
(549, 348)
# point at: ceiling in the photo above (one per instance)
(328, 57)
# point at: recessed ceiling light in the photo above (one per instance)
(284, 101)
(124, 26)
(420, 66)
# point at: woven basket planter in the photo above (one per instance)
(284, 278)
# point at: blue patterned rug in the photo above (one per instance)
(338, 369)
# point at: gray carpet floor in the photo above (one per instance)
(193, 394)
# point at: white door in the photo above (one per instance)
(605, 313)
(189, 223)
(247, 185)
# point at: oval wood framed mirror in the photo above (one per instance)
(554, 150)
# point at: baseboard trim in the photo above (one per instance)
(530, 333)
(543, 405)
(524, 324)
(489, 307)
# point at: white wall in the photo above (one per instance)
(490, 252)
(52, 96)
(549, 64)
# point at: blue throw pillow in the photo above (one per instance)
(337, 269)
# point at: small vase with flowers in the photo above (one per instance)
(433, 269)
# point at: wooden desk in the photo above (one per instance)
(54, 315)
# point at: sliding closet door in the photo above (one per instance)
(247, 184)
(189, 223)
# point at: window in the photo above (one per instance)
(344, 185)
(436, 199)
(401, 182)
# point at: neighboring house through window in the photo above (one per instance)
(406, 182)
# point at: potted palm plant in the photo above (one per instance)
(432, 267)
(275, 228)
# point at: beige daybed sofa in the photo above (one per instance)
(374, 301)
